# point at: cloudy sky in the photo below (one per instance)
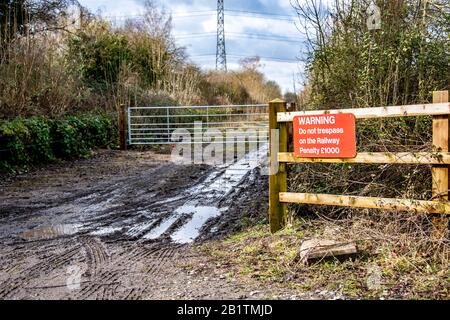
(272, 36)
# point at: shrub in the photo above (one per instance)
(69, 139)
(13, 137)
(100, 54)
(25, 142)
(38, 145)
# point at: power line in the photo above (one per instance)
(235, 13)
(191, 35)
(249, 14)
(242, 36)
(275, 59)
(206, 12)
(239, 13)
(262, 13)
(267, 58)
(185, 13)
(274, 36)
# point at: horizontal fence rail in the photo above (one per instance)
(205, 115)
(381, 112)
(376, 158)
(367, 202)
(279, 197)
(202, 107)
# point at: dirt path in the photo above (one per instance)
(121, 226)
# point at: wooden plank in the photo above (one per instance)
(314, 249)
(371, 113)
(440, 183)
(278, 174)
(376, 158)
(367, 202)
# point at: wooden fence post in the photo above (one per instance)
(278, 173)
(293, 108)
(123, 127)
(440, 172)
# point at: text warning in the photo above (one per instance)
(325, 136)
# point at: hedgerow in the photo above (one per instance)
(27, 142)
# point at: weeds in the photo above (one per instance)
(411, 264)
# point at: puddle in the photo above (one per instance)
(211, 191)
(159, 230)
(106, 231)
(217, 185)
(50, 232)
(191, 230)
(139, 228)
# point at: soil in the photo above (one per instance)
(124, 225)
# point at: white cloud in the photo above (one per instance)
(113, 8)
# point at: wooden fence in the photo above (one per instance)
(279, 196)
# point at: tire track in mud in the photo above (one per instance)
(132, 269)
(118, 265)
(103, 203)
(98, 260)
(129, 208)
(201, 200)
(156, 260)
(164, 255)
(37, 270)
(96, 254)
(159, 260)
(93, 288)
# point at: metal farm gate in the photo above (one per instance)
(157, 125)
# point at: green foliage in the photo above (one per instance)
(69, 140)
(25, 142)
(38, 144)
(148, 55)
(132, 56)
(99, 131)
(99, 54)
(401, 63)
(13, 139)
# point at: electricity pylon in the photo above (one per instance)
(221, 54)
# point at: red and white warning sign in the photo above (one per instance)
(325, 136)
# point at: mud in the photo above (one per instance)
(122, 226)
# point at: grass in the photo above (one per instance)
(379, 271)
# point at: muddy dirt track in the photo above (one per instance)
(121, 226)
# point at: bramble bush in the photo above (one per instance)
(25, 142)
